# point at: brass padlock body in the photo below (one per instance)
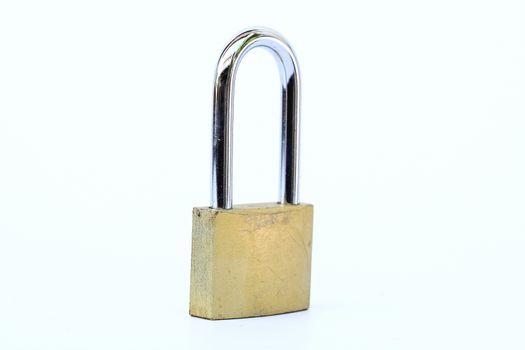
(252, 260)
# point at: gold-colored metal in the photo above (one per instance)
(252, 260)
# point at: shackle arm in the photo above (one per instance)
(222, 152)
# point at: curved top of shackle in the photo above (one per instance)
(222, 155)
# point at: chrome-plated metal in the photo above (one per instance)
(222, 155)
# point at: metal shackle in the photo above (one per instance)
(222, 155)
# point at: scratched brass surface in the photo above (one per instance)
(252, 260)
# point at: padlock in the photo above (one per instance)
(255, 259)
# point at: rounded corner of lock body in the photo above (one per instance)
(251, 260)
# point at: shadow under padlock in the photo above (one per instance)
(255, 259)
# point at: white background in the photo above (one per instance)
(413, 153)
